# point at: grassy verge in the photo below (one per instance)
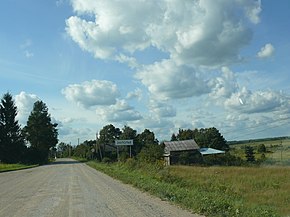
(212, 191)
(12, 167)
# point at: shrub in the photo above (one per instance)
(262, 148)
(186, 158)
(250, 155)
(106, 160)
(224, 160)
(131, 163)
(150, 154)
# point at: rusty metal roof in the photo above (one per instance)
(184, 145)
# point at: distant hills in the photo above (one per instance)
(234, 142)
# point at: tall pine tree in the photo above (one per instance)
(12, 144)
(40, 132)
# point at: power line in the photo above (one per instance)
(247, 128)
(268, 128)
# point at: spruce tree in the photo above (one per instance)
(40, 132)
(250, 155)
(12, 144)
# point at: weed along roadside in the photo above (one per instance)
(12, 167)
(210, 191)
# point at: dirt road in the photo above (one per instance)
(68, 188)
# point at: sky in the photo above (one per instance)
(159, 65)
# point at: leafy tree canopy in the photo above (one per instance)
(147, 138)
(108, 134)
(128, 133)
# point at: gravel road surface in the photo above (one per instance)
(68, 188)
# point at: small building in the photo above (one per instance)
(178, 146)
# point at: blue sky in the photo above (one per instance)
(160, 65)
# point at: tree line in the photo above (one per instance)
(30, 144)
(145, 145)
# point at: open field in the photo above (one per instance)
(212, 191)
(267, 187)
(11, 167)
(278, 150)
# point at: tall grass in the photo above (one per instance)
(212, 191)
(264, 187)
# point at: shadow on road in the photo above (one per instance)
(65, 161)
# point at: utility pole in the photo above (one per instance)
(69, 150)
(281, 150)
(98, 147)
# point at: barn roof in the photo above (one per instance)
(207, 151)
(185, 145)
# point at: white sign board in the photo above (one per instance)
(124, 142)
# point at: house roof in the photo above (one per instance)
(207, 151)
(184, 145)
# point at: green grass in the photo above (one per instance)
(12, 167)
(211, 191)
(267, 188)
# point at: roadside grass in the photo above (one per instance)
(12, 167)
(211, 191)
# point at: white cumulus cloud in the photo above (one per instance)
(266, 51)
(160, 109)
(193, 35)
(207, 33)
(224, 85)
(24, 102)
(166, 80)
(246, 101)
(120, 112)
(92, 93)
(137, 93)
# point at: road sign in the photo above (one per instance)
(124, 142)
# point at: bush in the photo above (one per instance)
(224, 160)
(150, 154)
(123, 156)
(186, 158)
(250, 155)
(106, 160)
(262, 148)
(131, 163)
